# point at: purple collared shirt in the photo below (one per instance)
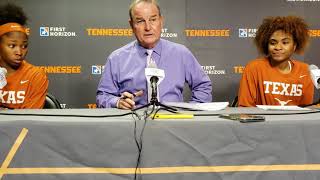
(125, 71)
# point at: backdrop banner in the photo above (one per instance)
(71, 39)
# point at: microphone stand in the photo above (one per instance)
(154, 102)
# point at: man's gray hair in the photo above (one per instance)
(135, 2)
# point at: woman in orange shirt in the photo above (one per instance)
(26, 85)
(277, 79)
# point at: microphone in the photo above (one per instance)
(3, 80)
(154, 77)
(154, 83)
(315, 75)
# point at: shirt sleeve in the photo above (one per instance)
(248, 88)
(37, 91)
(198, 81)
(108, 89)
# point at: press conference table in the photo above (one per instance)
(77, 144)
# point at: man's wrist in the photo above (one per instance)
(113, 102)
(118, 102)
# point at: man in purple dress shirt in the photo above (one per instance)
(123, 83)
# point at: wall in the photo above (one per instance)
(76, 54)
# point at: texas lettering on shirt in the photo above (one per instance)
(279, 88)
(12, 97)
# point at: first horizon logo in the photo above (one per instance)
(247, 33)
(55, 31)
(44, 31)
(97, 69)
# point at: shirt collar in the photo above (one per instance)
(157, 49)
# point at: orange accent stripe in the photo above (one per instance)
(164, 170)
(13, 151)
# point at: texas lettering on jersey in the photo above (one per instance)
(282, 88)
(12, 97)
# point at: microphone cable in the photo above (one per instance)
(65, 115)
(139, 138)
(134, 116)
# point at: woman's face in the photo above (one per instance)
(13, 49)
(281, 46)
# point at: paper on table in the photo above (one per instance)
(284, 108)
(213, 106)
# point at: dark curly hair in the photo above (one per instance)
(12, 13)
(293, 25)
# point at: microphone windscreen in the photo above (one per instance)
(3, 70)
(3, 81)
(312, 67)
(154, 79)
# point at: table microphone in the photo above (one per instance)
(315, 75)
(3, 80)
(154, 89)
(154, 77)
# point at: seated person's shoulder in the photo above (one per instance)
(33, 70)
(124, 50)
(301, 64)
(175, 46)
(257, 63)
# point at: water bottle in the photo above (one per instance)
(3, 80)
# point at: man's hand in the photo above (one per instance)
(126, 101)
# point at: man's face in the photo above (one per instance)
(146, 24)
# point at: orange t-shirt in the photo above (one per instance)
(262, 84)
(26, 88)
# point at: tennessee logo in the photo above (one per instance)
(207, 32)
(61, 69)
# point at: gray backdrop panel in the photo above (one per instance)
(78, 90)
